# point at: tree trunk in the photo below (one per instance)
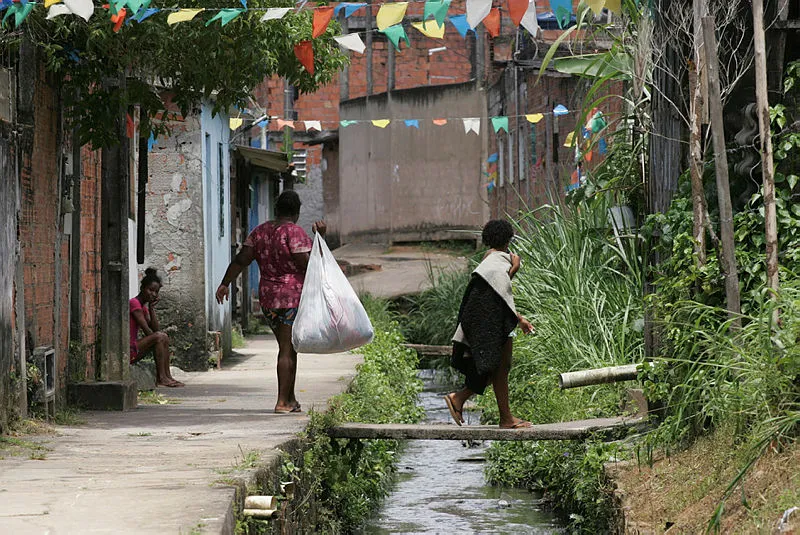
(697, 107)
(728, 260)
(767, 165)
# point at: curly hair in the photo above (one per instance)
(288, 204)
(150, 276)
(497, 233)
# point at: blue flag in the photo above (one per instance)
(460, 23)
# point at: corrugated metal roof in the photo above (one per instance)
(267, 159)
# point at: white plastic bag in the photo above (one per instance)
(330, 318)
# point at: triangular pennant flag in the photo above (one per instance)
(322, 17)
(346, 123)
(182, 15)
(145, 13)
(560, 110)
(570, 139)
(20, 12)
(412, 123)
(529, 20)
(534, 117)
(391, 14)
(395, 33)
(472, 124)
(492, 158)
(563, 12)
(437, 9)
(516, 10)
(282, 123)
(83, 8)
(588, 156)
(602, 146)
(381, 123)
(48, 3)
(226, 15)
(313, 125)
(56, 10)
(492, 22)
(275, 13)
(430, 28)
(135, 5)
(477, 10)
(596, 5)
(244, 4)
(500, 123)
(349, 8)
(614, 6)
(234, 123)
(304, 51)
(440, 122)
(119, 19)
(460, 23)
(351, 41)
(151, 142)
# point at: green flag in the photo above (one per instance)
(395, 33)
(226, 15)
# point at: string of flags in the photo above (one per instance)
(389, 18)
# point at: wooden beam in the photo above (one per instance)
(575, 430)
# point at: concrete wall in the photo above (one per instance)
(408, 184)
(310, 193)
(8, 258)
(174, 239)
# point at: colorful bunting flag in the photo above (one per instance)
(395, 33)
(119, 19)
(614, 6)
(283, 123)
(596, 5)
(275, 13)
(529, 20)
(437, 9)
(412, 123)
(381, 123)
(460, 23)
(492, 22)
(345, 124)
(516, 10)
(430, 28)
(440, 122)
(351, 41)
(313, 125)
(560, 110)
(322, 17)
(472, 124)
(492, 158)
(182, 15)
(391, 14)
(144, 13)
(500, 123)
(151, 142)
(83, 8)
(534, 118)
(20, 13)
(477, 10)
(48, 3)
(563, 12)
(570, 139)
(233, 123)
(349, 8)
(57, 10)
(226, 15)
(304, 51)
(602, 146)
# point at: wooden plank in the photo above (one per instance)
(575, 430)
(431, 351)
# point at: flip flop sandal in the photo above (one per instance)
(455, 414)
(296, 408)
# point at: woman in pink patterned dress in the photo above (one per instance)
(281, 249)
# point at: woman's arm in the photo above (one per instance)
(243, 259)
(153, 319)
(138, 317)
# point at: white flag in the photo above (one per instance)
(83, 8)
(351, 41)
(313, 125)
(477, 10)
(529, 21)
(275, 13)
(472, 125)
(56, 10)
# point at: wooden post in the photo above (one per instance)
(765, 136)
(728, 260)
(696, 107)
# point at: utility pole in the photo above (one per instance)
(765, 137)
(344, 75)
(728, 260)
(368, 44)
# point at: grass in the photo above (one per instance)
(153, 397)
(24, 439)
(237, 337)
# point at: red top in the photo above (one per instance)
(281, 279)
(134, 304)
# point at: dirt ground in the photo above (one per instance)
(680, 492)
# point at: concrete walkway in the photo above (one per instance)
(160, 468)
(404, 270)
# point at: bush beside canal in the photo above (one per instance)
(347, 479)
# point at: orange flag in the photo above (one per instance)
(516, 10)
(119, 19)
(322, 17)
(492, 22)
(305, 53)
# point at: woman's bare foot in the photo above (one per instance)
(169, 383)
(515, 423)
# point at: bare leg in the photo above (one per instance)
(500, 385)
(287, 369)
(159, 343)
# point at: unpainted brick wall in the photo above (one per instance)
(90, 257)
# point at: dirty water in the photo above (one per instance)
(440, 487)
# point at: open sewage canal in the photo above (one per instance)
(440, 486)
